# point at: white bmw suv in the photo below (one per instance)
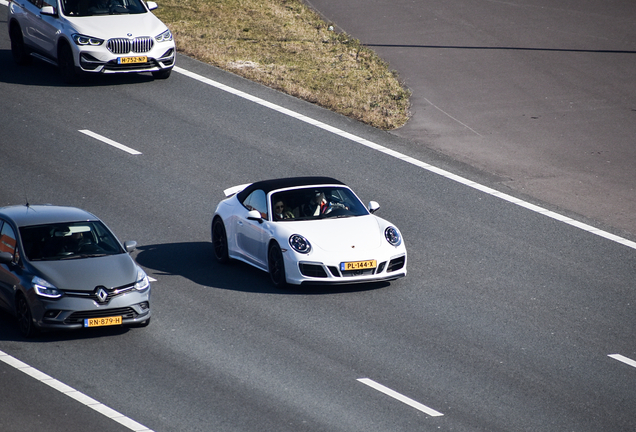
(98, 36)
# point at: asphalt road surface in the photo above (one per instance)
(511, 318)
(537, 92)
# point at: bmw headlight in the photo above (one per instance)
(393, 236)
(81, 39)
(299, 243)
(142, 283)
(164, 37)
(44, 288)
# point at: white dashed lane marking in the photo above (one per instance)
(623, 359)
(110, 142)
(387, 391)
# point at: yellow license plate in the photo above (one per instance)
(128, 60)
(358, 265)
(100, 322)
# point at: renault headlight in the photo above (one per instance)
(44, 288)
(142, 283)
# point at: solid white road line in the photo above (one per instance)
(623, 359)
(387, 391)
(110, 142)
(72, 393)
(409, 159)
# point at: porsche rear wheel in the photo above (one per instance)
(276, 265)
(219, 241)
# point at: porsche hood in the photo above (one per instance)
(362, 232)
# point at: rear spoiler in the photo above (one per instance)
(235, 189)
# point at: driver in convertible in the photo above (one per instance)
(320, 205)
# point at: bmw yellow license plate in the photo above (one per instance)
(358, 265)
(100, 322)
(130, 60)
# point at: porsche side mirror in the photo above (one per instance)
(151, 5)
(255, 215)
(373, 206)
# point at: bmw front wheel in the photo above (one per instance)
(65, 61)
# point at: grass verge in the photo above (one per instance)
(285, 45)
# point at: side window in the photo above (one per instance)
(257, 201)
(7, 240)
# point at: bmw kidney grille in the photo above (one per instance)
(124, 46)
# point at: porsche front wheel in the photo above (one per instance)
(276, 266)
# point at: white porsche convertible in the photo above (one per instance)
(307, 230)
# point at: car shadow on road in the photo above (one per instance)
(195, 262)
(41, 73)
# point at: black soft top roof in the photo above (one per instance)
(274, 184)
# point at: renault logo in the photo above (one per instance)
(101, 294)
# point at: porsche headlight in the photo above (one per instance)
(164, 37)
(392, 235)
(81, 39)
(299, 243)
(44, 288)
(142, 283)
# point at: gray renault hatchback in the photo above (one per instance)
(62, 268)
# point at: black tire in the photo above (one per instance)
(66, 64)
(162, 74)
(25, 318)
(18, 48)
(219, 241)
(276, 266)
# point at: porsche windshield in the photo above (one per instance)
(68, 241)
(316, 203)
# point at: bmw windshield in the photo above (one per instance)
(84, 8)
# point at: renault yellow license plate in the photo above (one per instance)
(358, 265)
(129, 60)
(100, 322)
